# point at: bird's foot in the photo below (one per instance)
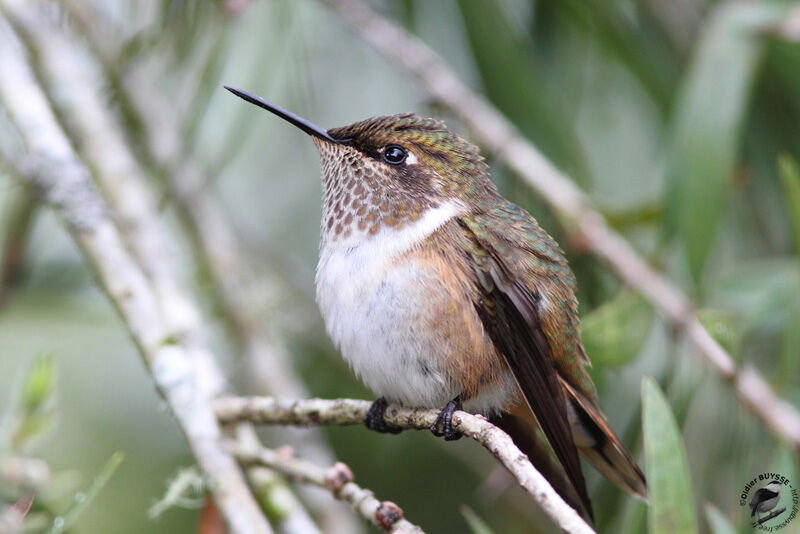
(374, 420)
(445, 421)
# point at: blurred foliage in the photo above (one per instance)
(708, 115)
(717, 522)
(83, 499)
(672, 506)
(680, 120)
(29, 492)
(614, 332)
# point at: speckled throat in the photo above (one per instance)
(361, 198)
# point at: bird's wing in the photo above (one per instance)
(761, 495)
(509, 309)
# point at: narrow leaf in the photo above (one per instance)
(711, 105)
(515, 85)
(35, 412)
(84, 498)
(789, 171)
(474, 522)
(39, 384)
(717, 522)
(669, 491)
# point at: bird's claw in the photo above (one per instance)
(374, 419)
(445, 421)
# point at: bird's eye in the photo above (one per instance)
(394, 155)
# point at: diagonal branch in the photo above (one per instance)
(185, 374)
(313, 412)
(216, 247)
(338, 480)
(583, 223)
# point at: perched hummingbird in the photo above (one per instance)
(440, 293)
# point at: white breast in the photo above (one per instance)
(370, 303)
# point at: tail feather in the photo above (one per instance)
(521, 426)
(600, 446)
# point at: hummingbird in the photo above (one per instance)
(440, 293)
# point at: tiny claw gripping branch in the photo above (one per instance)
(374, 419)
(445, 421)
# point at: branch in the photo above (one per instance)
(58, 177)
(337, 479)
(313, 412)
(773, 514)
(582, 223)
(17, 217)
(215, 245)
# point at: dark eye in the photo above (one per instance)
(394, 155)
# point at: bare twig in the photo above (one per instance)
(186, 376)
(313, 412)
(17, 217)
(584, 224)
(216, 246)
(337, 479)
(92, 127)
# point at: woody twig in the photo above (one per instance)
(337, 479)
(184, 372)
(314, 412)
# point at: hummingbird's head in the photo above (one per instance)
(389, 172)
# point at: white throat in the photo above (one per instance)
(389, 242)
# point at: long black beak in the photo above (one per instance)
(308, 127)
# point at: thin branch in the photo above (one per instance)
(584, 224)
(18, 215)
(313, 412)
(216, 246)
(337, 479)
(185, 376)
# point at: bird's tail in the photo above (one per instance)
(600, 446)
(520, 424)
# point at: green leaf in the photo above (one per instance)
(36, 401)
(789, 362)
(474, 522)
(516, 87)
(717, 522)
(39, 384)
(630, 40)
(613, 333)
(83, 499)
(669, 491)
(789, 172)
(711, 105)
(765, 292)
